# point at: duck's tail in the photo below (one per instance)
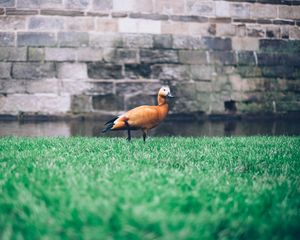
(109, 125)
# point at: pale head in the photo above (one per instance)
(165, 92)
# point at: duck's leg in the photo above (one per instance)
(144, 135)
(128, 131)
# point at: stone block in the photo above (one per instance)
(255, 31)
(222, 9)
(77, 4)
(270, 59)
(108, 102)
(12, 54)
(10, 86)
(102, 5)
(162, 41)
(144, 6)
(135, 71)
(37, 103)
(7, 3)
(42, 86)
(294, 33)
(249, 71)
(246, 58)
(169, 7)
(176, 28)
(158, 56)
(52, 4)
(240, 10)
(31, 70)
(171, 72)
(129, 25)
(136, 100)
(73, 39)
(5, 69)
(223, 44)
(16, 12)
(107, 25)
(201, 8)
(225, 30)
(80, 24)
(288, 72)
(81, 103)
(58, 12)
(273, 32)
(99, 70)
(263, 11)
(100, 88)
(89, 54)
(60, 54)
(192, 57)
(36, 54)
(36, 39)
(7, 39)
(289, 12)
(46, 23)
(203, 86)
(72, 87)
(276, 45)
(202, 72)
(137, 40)
(106, 40)
(13, 23)
(121, 55)
(32, 4)
(137, 87)
(245, 43)
(72, 71)
(124, 5)
(188, 42)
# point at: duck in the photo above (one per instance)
(143, 117)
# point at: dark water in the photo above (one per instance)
(178, 128)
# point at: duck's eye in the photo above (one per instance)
(164, 89)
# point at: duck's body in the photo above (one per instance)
(143, 117)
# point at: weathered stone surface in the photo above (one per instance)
(5, 69)
(51, 4)
(46, 23)
(72, 87)
(200, 8)
(188, 42)
(80, 24)
(270, 59)
(152, 16)
(188, 18)
(42, 86)
(255, 31)
(222, 9)
(217, 43)
(202, 72)
(240, 10)
(33, 70)
(270, 45)
(137, 40)
(37, 103)
(192, 57)
(245, 44)
(100, 88)
(249, 71)
(294, 33)
(36, 39)
(106, 40)
(171, 72)
(246, 58)
(12, 54)
(57, 12)
(133, 101)
(103, 5)
(224, 58)
(263, 11)
(101, 70)
(33, 4)
(81, 104)
(129, 25)
(73, 39)
(169, 6)
(121, 55)
(158, 56)
(10, 86)
(13, 11)
(108, 102)
(72, 70)
(7, 3)
(273, 32)
(60, 54)
(162, 41)
(36, 54)
(107, 25)
(13, 23)
(137, 71)
(89, 54)
(7, 39)
(279, 71)
(225, 30)
(77, 4)
(137, 87)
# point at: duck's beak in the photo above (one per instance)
(170, 95)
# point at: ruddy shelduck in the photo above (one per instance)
(143, 117)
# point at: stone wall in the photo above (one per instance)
(95, 57)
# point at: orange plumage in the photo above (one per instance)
(143, 117)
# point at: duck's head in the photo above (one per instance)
(165, 92)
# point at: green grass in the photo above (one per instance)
(168, 188)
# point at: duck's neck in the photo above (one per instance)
(163, 107)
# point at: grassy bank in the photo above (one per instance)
(168, 188)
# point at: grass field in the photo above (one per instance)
(168, 188)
